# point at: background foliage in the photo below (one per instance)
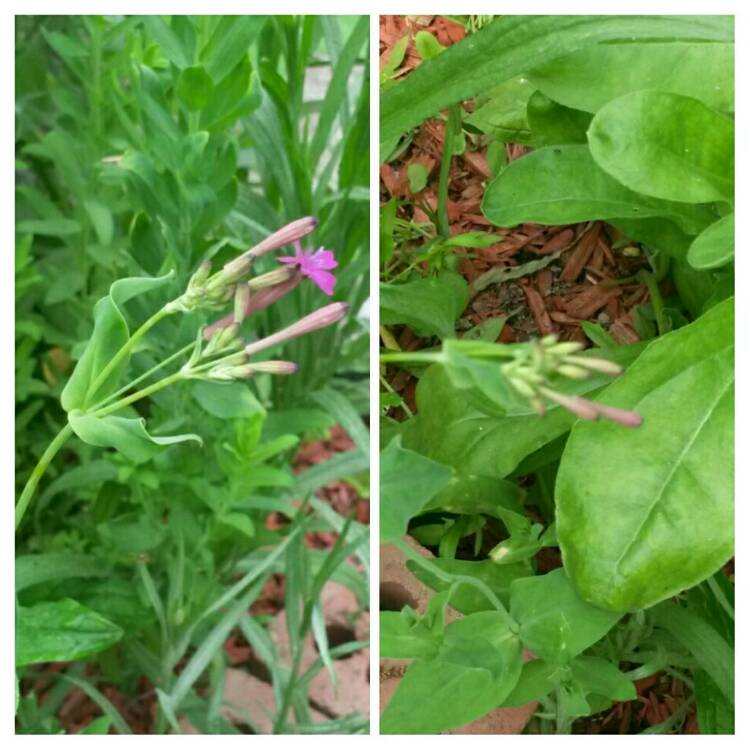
(146, 145)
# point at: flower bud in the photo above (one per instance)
(272, 278)
(621, 416)
(581, 407)
(295, 230)
(275, 367)
(575, 372)
(241, 298)
(321, 318)
(201, 275)
(595, 364)
(259, 301)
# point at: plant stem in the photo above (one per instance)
(147, 374)
(411, 357)
(138, 395)
(126, 348)
(452, 577)
(38, 472)
(452, 127)
(656, 300)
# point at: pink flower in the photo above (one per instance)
(315, 265)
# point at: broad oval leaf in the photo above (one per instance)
(109, 336)
(556, 623)
(564, 185)
(129, 436)
(61, 631)
(513, 45)
(643, 514)
(429, 306)
(407, 482)
(714, 246)
(591, 77)
(667, 146)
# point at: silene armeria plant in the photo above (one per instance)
(93, 396)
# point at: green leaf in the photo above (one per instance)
(715, 712)
(591, 77)
(235, 96)
(645, 513)
(427, 46)
(538, 679)
(712, 653)
(407, 482)
(239, 521)
(132, 533)
(471, 494)
(601, 677)
(168, 41)
(230, 42)
(101, 218)
(129, 436)
(61, 631)
(504, 113)
(667, 146)
(109, 336)
(429, 306)
(402, 636)
(449, 429)
(556, 624)
(54, 566)
(564, 185)
(658, 234)
(714, 246)
(417, 177)
(551, 123)
(49, 227)
(334, 103)
(436, 695)
(194, 87)
(477, 667)
(227, 400)
(98, 726)
(513, 45)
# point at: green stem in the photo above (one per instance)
(138, 395)
(141, 378)
(656, 300)
(423, 562)
(411, 357)
(452, 127)
(38, 472)
(124, 351)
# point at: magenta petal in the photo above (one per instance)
(326, 281)
(324, 259)
(287, 259)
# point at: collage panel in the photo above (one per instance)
(192, 374)
(556, 374)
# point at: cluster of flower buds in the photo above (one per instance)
(213, 291)
(531, 368)
(226, 357)
(220, 354)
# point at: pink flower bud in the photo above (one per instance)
(581, 407)
(284, 236)
(275, 367)
(321, 318)
(622, 416)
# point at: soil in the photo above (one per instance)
(583, 283)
